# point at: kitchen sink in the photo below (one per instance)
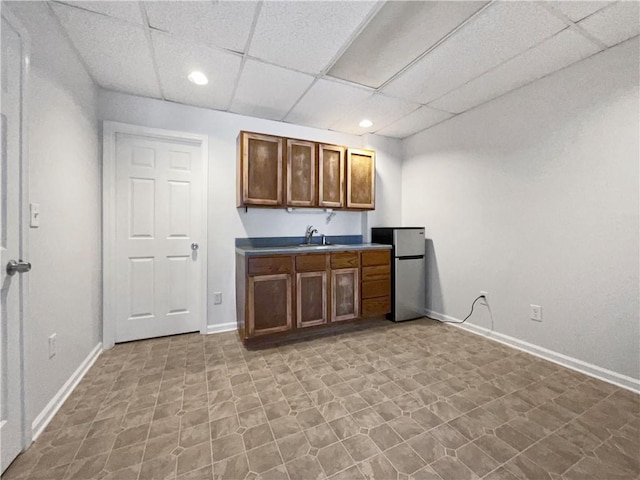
(318, 247)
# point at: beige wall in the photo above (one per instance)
(534, 198)
(64, 178)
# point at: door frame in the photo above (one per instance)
(25, 62)
(110, 130)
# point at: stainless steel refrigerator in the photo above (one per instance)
(407, 270)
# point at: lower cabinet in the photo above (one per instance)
(282, 294)
(274, 291)
(376, 283)
(345, 297)
(311, 299)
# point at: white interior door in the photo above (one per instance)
(11, 288)
(159, 227)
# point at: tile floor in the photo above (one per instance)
(418, 400)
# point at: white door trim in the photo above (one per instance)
(24, 214)
(110, 129)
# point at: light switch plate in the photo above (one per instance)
(34, 213)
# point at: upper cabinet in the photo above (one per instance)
(361, 179)
(260, 167)
(330, 176)
(279, 172)
(301, 174)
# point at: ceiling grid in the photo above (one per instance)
(406, 66)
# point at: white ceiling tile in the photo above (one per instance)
(416, 121)
(325, 103)
(221, 24)
(268, 91)
(398, 34)
(615, 23)
(305, 35)
(176, 58)
(129, 11)
(117, 54)
(577, 9)
(380, 109)
(553, 54)
(496, 34)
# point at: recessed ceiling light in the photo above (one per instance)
(366, 123)
(198, 78)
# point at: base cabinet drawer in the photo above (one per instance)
(314, 262)
(376, 306)
(376, 257)
(345, 260)
(376, 288)
(379, 272)
(270, 265)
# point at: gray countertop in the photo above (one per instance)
(289, 250)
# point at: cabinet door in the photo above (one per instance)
(344, 294)
(311, 299)
(331, 176)
(261, 170)
(269, 304)
(301, 173)
(361, 175)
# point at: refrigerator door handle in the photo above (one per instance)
(411, 257)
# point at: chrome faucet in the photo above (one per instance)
(309, 235)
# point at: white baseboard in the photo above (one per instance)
(590, 369)
(222, 327)
(46, 415)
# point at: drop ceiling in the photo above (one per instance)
(406, 66)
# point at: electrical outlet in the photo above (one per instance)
(217, 298)
(536, 312)
(52, 345)
(485, 300)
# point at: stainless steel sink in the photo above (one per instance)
(318, 247)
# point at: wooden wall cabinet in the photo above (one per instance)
(280, 172)
(361, 179)
(260, 170)
(330, 176)
(302, 186)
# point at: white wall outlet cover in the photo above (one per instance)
(52, 345)
(485, 300)
(536, 312)
(217, 298)
(34, 215)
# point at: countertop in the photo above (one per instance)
(289, 250)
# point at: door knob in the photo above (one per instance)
(194, 246)
(14, 267)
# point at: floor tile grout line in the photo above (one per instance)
(547, 436)
(155, 405)
(536, 377)
(82, 441)
(206, 380)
